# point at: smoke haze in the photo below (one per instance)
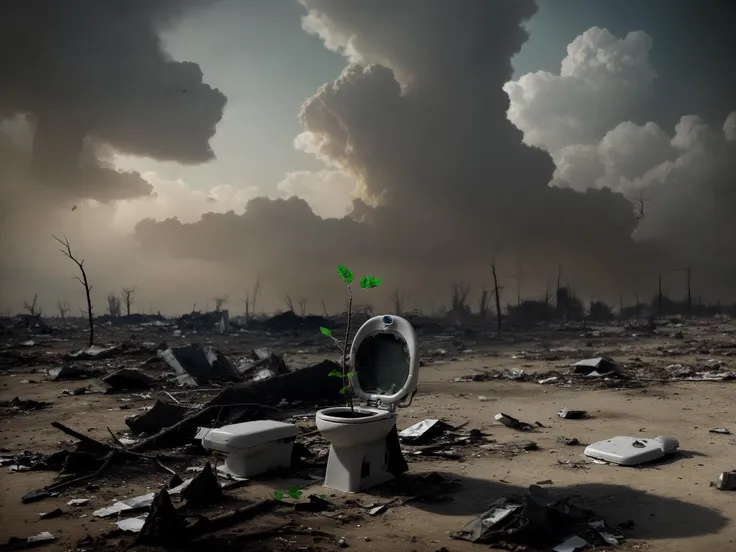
(436, 163)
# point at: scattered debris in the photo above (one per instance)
(632, 451)
(67, 372)
(204, 489)
(161, 415)
(568, 414)
(131, 525)
(194, 364)
(163, 524)
(18, 405)
(510, 421)
(720, 431)
(726, 481)
(94, 353)
(52, 514)
(15, 543)
(135, 503)
(538, 520)
(129, 379)
(600, 367)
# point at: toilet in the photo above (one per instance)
(384, 358)
(251, 448)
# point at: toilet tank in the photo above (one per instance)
(252, 448)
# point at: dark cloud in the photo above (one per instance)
(419, 118)
(80, 80)
(95, 70)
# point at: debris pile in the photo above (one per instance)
(539, 520)
(205, 322)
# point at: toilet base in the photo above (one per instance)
(355, 469)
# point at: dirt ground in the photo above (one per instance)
(673, 506)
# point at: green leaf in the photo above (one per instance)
(278, 495)
(295, 493)
(325, 331)
(323, 497)
(368, 282)
(344, 389)
(335, 374)
(351, 375)
(345, 274)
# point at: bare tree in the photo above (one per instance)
(220, 301)
(302, 306)
(64, 309)
(324, 309)
(250, 298)
(127, 295)
(496, 292)
(398, 301)
(289, 303)
(246, 304)
(113, 305)
(460, 294)
(483, 304)
(32, 307)
(67, 250)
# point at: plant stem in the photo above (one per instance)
(345, 379)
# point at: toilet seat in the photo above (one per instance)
(396, 363)
(373, 415)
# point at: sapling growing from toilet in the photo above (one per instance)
(366, 282)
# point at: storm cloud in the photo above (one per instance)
(446, 184)
(448, 162)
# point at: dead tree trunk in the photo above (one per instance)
(67, 250)
(498, 297)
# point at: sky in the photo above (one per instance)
(524, 132)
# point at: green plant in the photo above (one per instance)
(366, 282)
(294, 493)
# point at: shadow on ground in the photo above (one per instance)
(654, 517)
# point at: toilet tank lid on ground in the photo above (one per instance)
(248, 434)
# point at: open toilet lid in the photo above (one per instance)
(384, 358)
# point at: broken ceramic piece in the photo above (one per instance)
(631, 451)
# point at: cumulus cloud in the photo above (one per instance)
(602, 81)
(445, 163)
(582, 117)
(418, 118)
(328, 192)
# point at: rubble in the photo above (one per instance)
(18, 405)
(510, 421)
(600, 367)
(538, 520)
(161, 415)
(129, 379)
(261, 377)
(726, 481)
(204, 322)
(195, 364)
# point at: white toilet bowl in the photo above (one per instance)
(384, 357)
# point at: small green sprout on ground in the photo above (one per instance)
(366, 282)
(294, 493)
